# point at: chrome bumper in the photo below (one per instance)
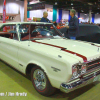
(68, 87)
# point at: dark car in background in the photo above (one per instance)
(87, 32)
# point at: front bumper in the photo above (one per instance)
(68, 87)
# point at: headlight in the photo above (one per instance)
(83, 69)
(75, 72)
(78, 70)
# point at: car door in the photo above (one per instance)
(24, 30)
(9, 45)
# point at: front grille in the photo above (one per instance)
(91, 76)
(93, 64)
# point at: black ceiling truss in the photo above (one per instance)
(82, 6)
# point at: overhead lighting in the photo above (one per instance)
(33, 1)
(71, 3)
(55, 3)
(85, 14)
(80, 18)
(90, 3)
(82, 11)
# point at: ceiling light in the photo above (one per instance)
(85, 14)
(71, 3)
(90, 3)
(82, 11)
(80, 18)
(55, 3)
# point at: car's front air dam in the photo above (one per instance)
(68, 87)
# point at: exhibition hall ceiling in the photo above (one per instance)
(82, 6)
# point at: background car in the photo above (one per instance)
(87, 32)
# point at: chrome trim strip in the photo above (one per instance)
(94, 64)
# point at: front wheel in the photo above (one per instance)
(41, 82)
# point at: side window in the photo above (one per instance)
(9, 31)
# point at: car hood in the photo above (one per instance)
(78, 49)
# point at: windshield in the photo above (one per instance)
(31, 31)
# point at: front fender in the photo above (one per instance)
(38, 64)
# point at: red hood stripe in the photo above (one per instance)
(79, 55)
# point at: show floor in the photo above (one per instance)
(12, 81)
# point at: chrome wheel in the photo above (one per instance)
(39, 79)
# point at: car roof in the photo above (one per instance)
(13, 23)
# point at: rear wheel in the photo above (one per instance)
(41, 82)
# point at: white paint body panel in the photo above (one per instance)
(25, 52)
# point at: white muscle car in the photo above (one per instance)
(53, 61)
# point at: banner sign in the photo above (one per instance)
(7, 18)
(36, 6)
(4, 15)
(4, 11)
